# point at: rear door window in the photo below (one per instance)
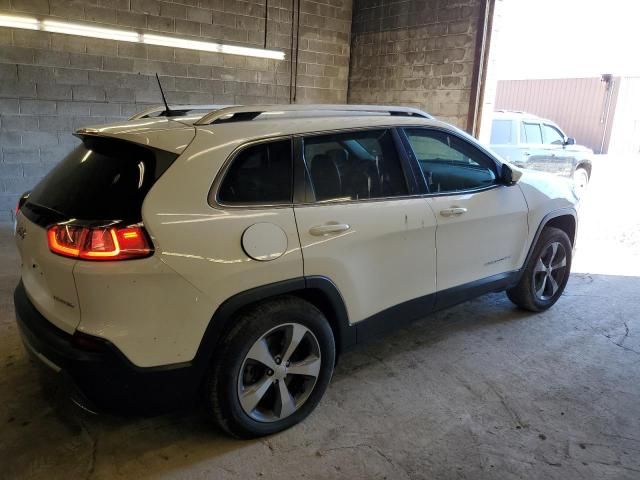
(354, 166)
(260, 174)
(102, 179)
(533, 133)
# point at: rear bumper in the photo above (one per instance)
(103, 380)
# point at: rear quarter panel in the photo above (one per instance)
(201, 244)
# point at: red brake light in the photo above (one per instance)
(99, 243)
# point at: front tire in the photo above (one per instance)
(546, 274)
(580, 181)
(271, 370)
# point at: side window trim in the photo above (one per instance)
(213, 197)
(303, 189)
(424, 182)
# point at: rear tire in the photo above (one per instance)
(271, 370)
(546, 274)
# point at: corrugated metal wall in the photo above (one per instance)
(577, 105)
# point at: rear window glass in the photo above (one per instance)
(102, 179)
(260, 174)
(501, 132)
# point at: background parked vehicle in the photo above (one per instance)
(532, 142)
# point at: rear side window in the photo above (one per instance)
(533, 133)
(354, 166)
(259, 174)
(102, 179)
(502, 132)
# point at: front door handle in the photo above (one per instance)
(329, 228)
(453, 211)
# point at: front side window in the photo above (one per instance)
(502, 132)
(259, 174)
(450, 164)
(354, 166)
(552, 135)
(533, 133)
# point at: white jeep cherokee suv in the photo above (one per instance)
(238, 253)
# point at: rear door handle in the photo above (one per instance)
(329, 228)
(453, 211)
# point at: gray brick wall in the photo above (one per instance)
(417, 53)
(52, 84)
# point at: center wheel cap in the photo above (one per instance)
(280, 372)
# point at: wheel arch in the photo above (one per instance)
(319, 291)
(566, 219)
(586, 165)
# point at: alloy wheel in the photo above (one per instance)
(279, 372)
(550, 271)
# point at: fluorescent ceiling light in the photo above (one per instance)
(88, 30)
(210, 46)
(26, 23)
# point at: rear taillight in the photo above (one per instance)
(99, 243)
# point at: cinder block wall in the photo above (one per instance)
(52, 84)
(417, 53)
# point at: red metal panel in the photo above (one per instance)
(577, 105)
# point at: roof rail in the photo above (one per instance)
(249, 112)
(176, 110)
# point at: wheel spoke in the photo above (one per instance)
(297, 333)
(540, 266)
(560, 264)
(260, 353)
(554, 250)
(309, 367)
(540, 291)
(554, 285)
(285, 405)
(254, 393)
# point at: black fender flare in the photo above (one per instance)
(311, 288)
(561, 212)
(584, 163)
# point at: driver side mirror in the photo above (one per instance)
(570, 141)
(510, 175)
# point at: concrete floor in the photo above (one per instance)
(479, 391)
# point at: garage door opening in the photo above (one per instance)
(560, 83)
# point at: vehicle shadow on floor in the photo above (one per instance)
(41, 429)
(181, 438)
